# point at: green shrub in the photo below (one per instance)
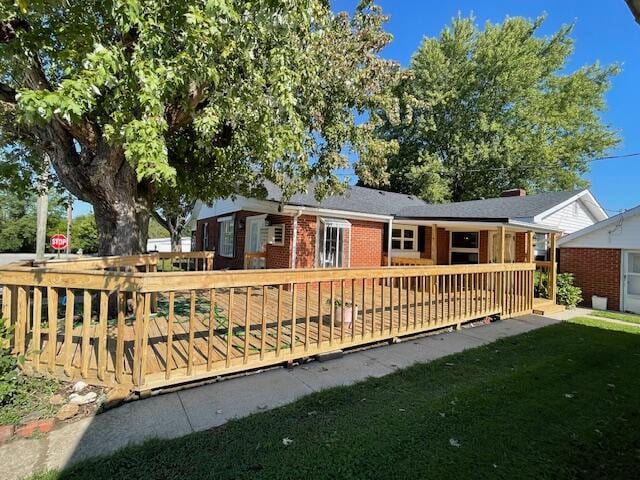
(566, 292)
(541, 284)
(20, 394)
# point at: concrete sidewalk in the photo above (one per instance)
(177, 414)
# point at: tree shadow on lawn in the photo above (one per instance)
(559, 402)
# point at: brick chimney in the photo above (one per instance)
(514, 192)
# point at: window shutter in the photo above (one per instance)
(422, 233)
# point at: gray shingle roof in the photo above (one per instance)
(502, 208)
(355, 199)
(369, 200)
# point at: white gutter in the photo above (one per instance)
(335, 213)
(294, 239)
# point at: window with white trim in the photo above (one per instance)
(541, 247)
(464, 248)
(225, 237)
(205, 236)
(334, 241)
(404, 238)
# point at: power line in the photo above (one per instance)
(513, 167)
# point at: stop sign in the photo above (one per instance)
(58, 241)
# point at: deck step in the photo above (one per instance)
(547, 308)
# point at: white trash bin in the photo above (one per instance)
(599, 303)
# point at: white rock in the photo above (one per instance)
(79, 386)
(77, 399)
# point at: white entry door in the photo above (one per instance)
(631, 282)
(253, 241)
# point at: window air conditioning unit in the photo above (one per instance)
(272, 235)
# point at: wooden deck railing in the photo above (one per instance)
(407, 261)
(151, 262)
(147, 330)
(187, 261)
(255, 260)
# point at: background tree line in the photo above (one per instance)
(18, 224)
(141, 120)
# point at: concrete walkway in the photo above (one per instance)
(177, 414)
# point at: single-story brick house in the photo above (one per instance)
(366, 227)
(605, 259)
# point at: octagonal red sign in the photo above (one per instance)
(58, 241)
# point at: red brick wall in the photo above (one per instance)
(279, 256)
(220, 262)
(306, 249)
(366, 243)
(596, 271)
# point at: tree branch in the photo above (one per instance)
(8, 29)
(161, 220)
(7, 93)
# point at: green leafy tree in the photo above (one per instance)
(481, 111)
(156, 230)
(84, 234)
(18, 220)
(262, 90)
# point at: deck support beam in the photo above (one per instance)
(553, 270)
(530, 243)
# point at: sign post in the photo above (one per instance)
(58, 242)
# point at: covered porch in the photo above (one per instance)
(418, 242)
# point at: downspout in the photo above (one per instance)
(389, 242)
(294, 239)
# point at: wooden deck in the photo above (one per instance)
(148, 330)
(298, 331)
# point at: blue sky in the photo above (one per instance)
(604, 31)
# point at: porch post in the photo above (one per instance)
(553, 269)
(500, 285)
(531, 251)
(501, 244)
(434, 244)
(389, 242)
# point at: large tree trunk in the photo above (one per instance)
(121, 203)
(122, 225)
(176, 240)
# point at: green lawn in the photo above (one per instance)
(625, 317)
(558, 403)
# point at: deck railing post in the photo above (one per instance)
(553, 269)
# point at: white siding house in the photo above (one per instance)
(576, 213)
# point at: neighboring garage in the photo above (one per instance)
(605, 259)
